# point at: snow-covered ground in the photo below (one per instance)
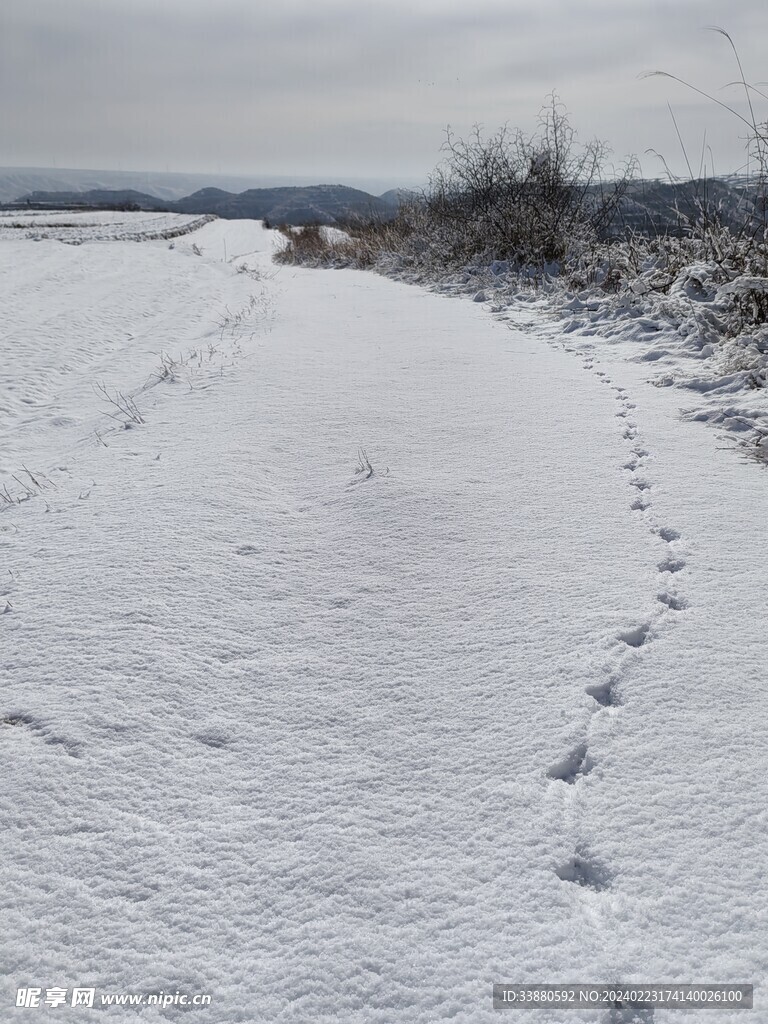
(334, 745)
(696, 328)
(76, 318)
(77, 226)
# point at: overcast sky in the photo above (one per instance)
(337, 89)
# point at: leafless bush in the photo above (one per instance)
(125, 405)
(532, 200)
(528, 199)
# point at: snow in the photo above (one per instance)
(77, 226)
(73, 320)
(332, 746)
(334, 234)
(702, 325)
(697, 338)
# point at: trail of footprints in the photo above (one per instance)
(582, 868)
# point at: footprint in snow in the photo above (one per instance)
(668, 534)
(583, 870)
(635, 637)
(604, 693)
(671, 564)
(672, 601)
(573, 766)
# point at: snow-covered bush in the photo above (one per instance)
(528, 199)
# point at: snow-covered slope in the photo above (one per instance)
(76, 227)
(335, 745)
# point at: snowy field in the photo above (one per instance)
(78, 226)
(339, 745)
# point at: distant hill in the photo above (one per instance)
(314, 204)
(395, 196)
(653, 206)
(98, 197)
(21, 181)
(319, 204)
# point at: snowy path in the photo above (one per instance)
(336, 747)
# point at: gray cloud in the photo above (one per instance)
(340, 88)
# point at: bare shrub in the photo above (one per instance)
(125, 405)
(533, 200)
(529, 199)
